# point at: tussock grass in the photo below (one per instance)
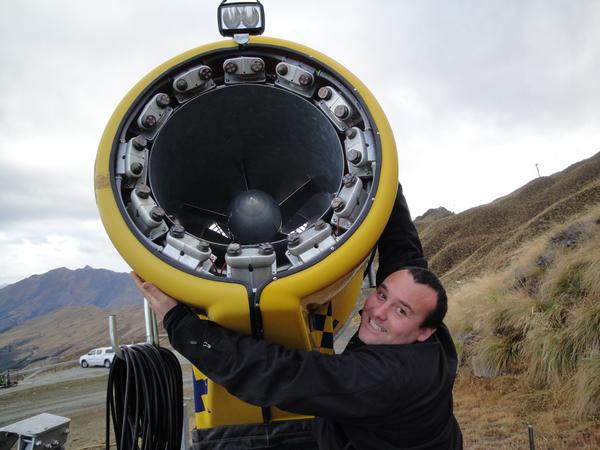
(540, 317)
(584, 327)
(497, 354)
(550, 356)
(508, 321)
(587, 386)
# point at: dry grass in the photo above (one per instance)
(465, 245)
(494, 413)
(533, 331)
(587, 386)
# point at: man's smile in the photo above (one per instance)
(375, 326)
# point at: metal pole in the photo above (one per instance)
(531, 440)
(155, 330)
(150, 319)
(112, 331)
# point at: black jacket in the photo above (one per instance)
(370, 397)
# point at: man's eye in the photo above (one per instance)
(381, 295)
(400, 312)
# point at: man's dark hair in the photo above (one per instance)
(424, 276)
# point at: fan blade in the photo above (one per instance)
(209, 214)
(293, 202)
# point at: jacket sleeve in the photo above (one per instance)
(399, 245)
(345, 387)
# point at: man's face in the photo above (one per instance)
(394, 312)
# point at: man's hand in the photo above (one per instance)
(160, 302)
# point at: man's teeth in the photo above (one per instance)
(377, 327)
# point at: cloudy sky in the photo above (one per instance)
(476, 92)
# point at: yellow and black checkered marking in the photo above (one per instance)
(322, 326)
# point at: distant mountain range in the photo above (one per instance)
(43, 294)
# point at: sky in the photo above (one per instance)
(477, 93)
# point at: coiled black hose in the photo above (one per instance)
(145, 399)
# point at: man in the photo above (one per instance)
(390, 389)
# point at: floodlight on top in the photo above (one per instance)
(241, 18)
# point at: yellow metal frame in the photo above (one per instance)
(283, 302)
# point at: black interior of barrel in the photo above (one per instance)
(239, 138)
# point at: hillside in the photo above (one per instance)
(40, 295)
(461, 246)
(529, 341)
(67, 334)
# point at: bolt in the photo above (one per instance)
(351, 133)
(234, 249)
(265, 248)
(203, 246)
(341, 111)
(231, 67)
(149, 121)
(305, 80)
(257, 65)
(157, 214)
(349, 180)
(162, 100)
(143, 191)
(354, 156)
(177, 231)
(205, 73)
(293, 239)
(136, 168)
(139, 142)
(320, 225)
(282, 69)
(338, 204)
(181, 84)
(324, 93)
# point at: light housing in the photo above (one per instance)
(241, 18)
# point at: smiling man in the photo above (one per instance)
(407, 307)
(390, 389)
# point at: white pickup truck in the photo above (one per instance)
(102, 356)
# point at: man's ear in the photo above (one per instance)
(425, 333)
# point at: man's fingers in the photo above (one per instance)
(159, 301)
(152, 293)
(148, 290)
(136, 279)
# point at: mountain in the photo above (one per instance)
(39, 295)
(430, 216)
(461, 246)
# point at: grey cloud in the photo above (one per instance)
(506, 61)
(34, 195)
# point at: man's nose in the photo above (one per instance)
(380, 310)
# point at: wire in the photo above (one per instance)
(145, 399)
